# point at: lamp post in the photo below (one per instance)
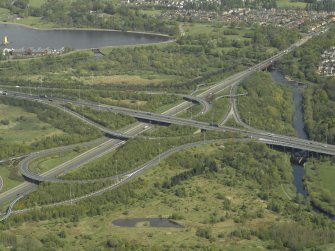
(117, 175)
(159, 152)
(249, 119)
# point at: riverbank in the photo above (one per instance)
(306, 178)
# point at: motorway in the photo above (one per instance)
(126, 177)
(277, 139)
(106, 130)
(167, 117)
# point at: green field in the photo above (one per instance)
(3, 14)
(23, 127)
(39, 3)
(36, 22)
(10, 176)
(327, 176)
(198, 28)
(320, 183)
(44, 164)
(36, 3)
(152, 12)
(289, 4)
(323, 174)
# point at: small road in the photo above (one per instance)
(10, 209)
(94, 124)
(1, 183)
(206, 106)
(27, 187)
(280, 140)
(128, 176)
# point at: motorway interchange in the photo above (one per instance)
(106, 145)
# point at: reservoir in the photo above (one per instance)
(148, 222)
(21, 36)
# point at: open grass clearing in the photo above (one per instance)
(323, 174)
(3, 14)
(10, 176)
(152, 12)
(290, 4)
(198, 28)
(327, 175)
(44, 164)
(23, 127)
(124, 102)
(36, 22)
(117, 79)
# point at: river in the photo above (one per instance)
(21, 36)
(298, 124)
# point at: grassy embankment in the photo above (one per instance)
(44, 164)
(23, 127)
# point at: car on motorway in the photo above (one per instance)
(214, 124)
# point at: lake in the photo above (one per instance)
(21, 36)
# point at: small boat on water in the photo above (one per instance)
(5, 40)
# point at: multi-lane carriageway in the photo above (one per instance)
(167, 117)
(275, 139)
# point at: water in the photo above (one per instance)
(20, 36)
(298, 119)
(152, 222)
(298, 124)
(298, 176)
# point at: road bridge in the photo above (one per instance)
(168, 119)
(220, 86)
(232, 95)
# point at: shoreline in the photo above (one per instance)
(86, 29)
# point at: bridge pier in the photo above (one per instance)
(36, 182)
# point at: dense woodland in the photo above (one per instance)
(107, 119)
(319, 98)
(267, 106)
